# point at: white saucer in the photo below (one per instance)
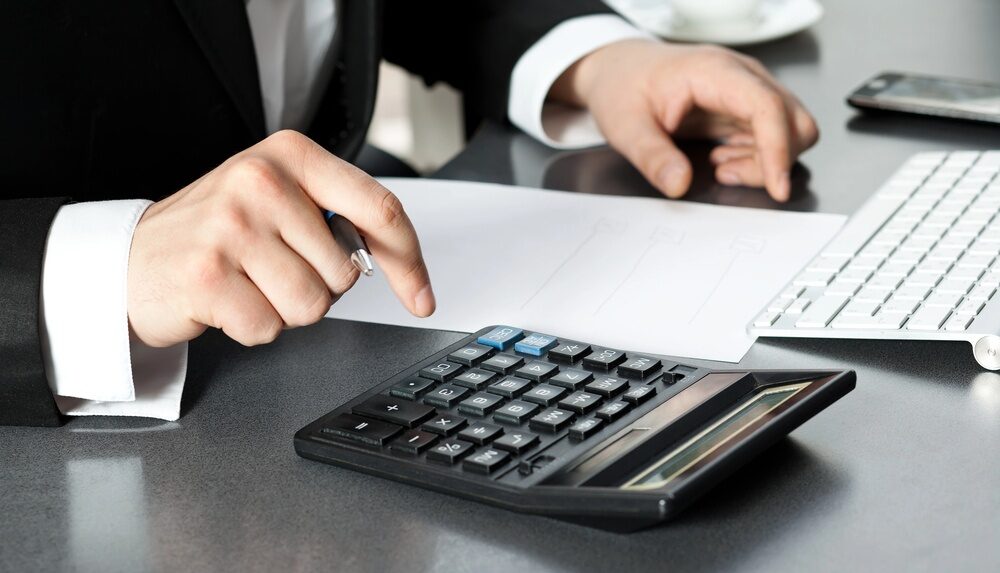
(778, 18)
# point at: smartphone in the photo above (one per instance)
(929, 95)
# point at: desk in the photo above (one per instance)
(902, 474)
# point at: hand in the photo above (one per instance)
(246, 249)
(644, 93)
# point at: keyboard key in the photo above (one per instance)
(446, 396)
(881, 321)
(580, 402)
(613, 410)
(943, 300)
(444, 424)
(411, 388)
(766, 319)
(442, 371)
(970, 307)
(485, 461)
(842, 288)
(393, 410)
(860, 308)
(876, 295)
(958, 286)
(821, 312)
(829, 264)
(413, 442)
(364, 430)
(583, 429)
(798, 306)
(515, 412)
(501, 337)
(502, 363)
(536, 370)
(474, 379)
(571, 379)
(607, 386)
(604, 358)
(958, 323)
(982, 292)
(638, 367)
(480, 404)
(569, 351)
(814, 279)
(510, 387)
(779, 305)
(551, 420)
(544, 394)
(516, 442)
(855, 275)
(471, 355)
(883, 282)
(480, 433)
(912, 292)
(638, 394)
(928, 318)
(449, 451)
(535, 344)
(793, 292)
(901, 306)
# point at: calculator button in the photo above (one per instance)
(604, 358)
(364, 430)
(585, 428)
(515, 412)
(480, 404)
(411, 388)
(471, 355)
(569, 351)
(413, 442)
(442, 372)
(449, 452)
(480, 433)
(446, 396)
(580, 402)
(394, 410)
(551, 420)
(613, 410)
(485, 460)
(509, 387)
(639, 394)
(544, 394)
(571, 379)
(444, 424)
(501, 337)
(639, 367)
(516, 442)
(536, 344)
(536, 370)
(474, 379)
(607, 386)
(502, 363)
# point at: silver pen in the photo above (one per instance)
(347, 236)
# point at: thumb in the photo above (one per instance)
(642, 141)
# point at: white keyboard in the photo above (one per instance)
(918, 261)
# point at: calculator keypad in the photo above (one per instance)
(508, 394)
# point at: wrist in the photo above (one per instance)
(575, 86)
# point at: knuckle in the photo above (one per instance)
(344, 277)
(810, 130)
(389, 212)
(232, 224)
(287, 139)
(314, 310)
(265, 331)
(209, 271)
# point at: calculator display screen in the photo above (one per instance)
(712, 438)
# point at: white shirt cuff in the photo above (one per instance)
(554, 124)
(90, 358)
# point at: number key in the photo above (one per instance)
(502, 363)
(471, 355)
(544, 394)
(516, 412)
(442, 372)
(536, 370)
(446, 396)
(480, 404)
(509, 387)
(474, 379)
(571, 379)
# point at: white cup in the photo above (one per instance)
(717, 13)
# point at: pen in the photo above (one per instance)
(348, 237)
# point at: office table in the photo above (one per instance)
(902, 474)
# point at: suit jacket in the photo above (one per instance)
(125, 99)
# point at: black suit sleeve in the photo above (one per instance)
(25, 399)
(473, 44)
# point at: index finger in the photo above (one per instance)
(338, 186)
(750, 98)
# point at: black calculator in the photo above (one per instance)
(597, 436)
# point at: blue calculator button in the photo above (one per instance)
(501, 337)
(535, 344)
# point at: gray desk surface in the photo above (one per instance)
(904, 473)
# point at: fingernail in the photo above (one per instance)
(729, 178)
(673, 180)
(424, 302)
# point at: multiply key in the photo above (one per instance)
(604, 358)
(394, 410)
(444, 424)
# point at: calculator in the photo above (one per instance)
(584, 433)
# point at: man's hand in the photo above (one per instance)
(246, 249)
(644, 93)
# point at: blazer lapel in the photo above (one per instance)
(222, 31)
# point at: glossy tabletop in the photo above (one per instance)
(901, 474)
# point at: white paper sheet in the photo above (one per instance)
(641, 274)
